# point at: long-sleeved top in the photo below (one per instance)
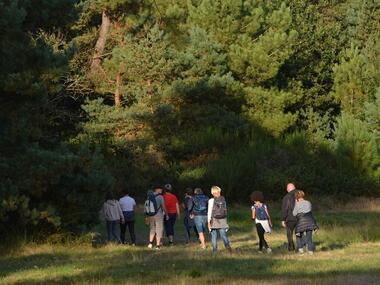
(304, 216)
(215, 223)
(303, 206)
(288, 203)
(111, 211)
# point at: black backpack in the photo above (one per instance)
(150, 205)
(219, 210)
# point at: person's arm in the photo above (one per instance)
(269, 218)
(178, 212)
(120, 213)
(190, 205)
(209, 212)
(253, 212)
(284, 210)
(164, 208)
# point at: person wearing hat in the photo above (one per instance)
(172, 208)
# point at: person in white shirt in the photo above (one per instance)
(127, 205)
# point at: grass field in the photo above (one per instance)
(348, 252)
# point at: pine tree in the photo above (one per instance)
(257, 37)
(356, 78)
(354, 141)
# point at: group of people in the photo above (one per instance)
(202, 214)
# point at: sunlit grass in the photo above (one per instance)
(348, 252)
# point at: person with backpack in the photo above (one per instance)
(288, 220)
(262, 219)
(127, 204)
(173, 212)
(198, 212)
(154, 209)
(217, 218)
(188, 221)
(306, 223)
(112, 214)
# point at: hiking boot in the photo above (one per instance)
(150, 245)
(157, 247)
(300, 251)
(269, 250)
(310, 252)
(229, 249)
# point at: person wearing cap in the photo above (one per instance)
(173, 212)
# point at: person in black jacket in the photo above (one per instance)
(288, 220)
(306, 223)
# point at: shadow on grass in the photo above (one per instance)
(170, 264)
(10, 265)
(147, 266)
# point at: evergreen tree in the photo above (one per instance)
(356, 78)
(355, 143)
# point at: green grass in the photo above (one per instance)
(348, 252)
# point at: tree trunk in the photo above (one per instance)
(117, 90)
(101, 42)
(150, 97)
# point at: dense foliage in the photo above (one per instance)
(247, 94)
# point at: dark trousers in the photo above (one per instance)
(290, 226)
(188, 226)
(131, 229)
(111, 230)
(169, 224)
(261, 233)
(309, 240)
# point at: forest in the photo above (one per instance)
(106, 95)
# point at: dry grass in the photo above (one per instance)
(344, 256)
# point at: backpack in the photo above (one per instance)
(150, 205)
(200, 204)
(219, 211)
(261, 214)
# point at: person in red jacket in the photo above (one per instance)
(173, 213)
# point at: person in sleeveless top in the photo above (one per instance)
(263, 222)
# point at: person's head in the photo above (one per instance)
(126, 192)
(300, 195)
(189, 191)
(157, 189)
(168, 187)
(215, 191)
(290, 187)
(257, 196)
(198, 191)
(109, 196)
